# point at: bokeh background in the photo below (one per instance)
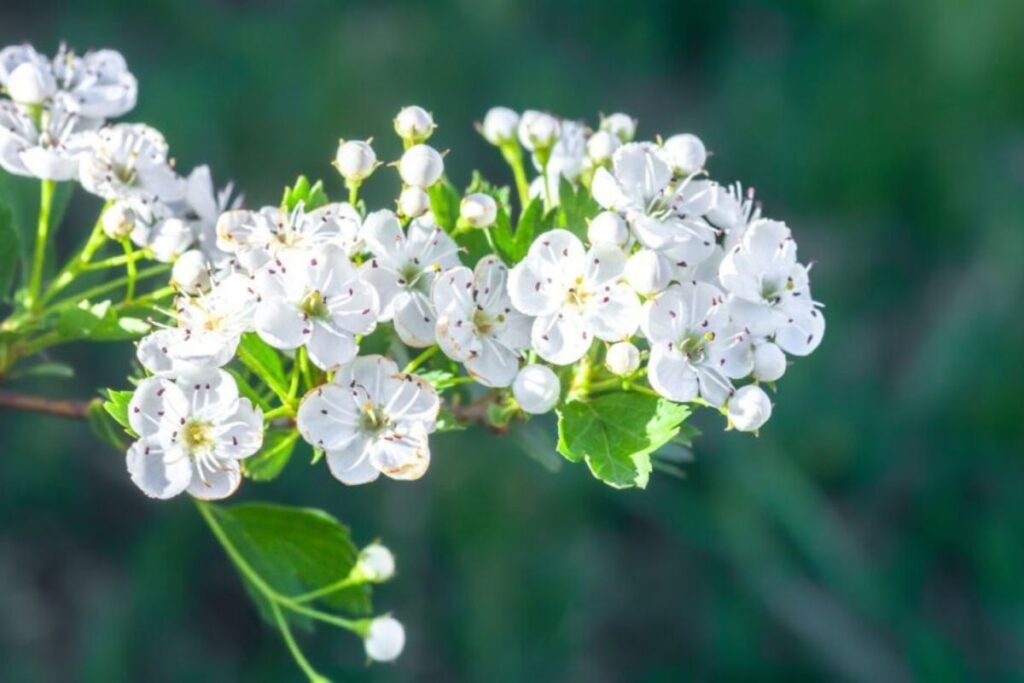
(872, 533)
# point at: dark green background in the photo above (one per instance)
(872, 533)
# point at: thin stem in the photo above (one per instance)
(421, 359)
(280, 411)
(513, 154)
(47, 189)
(72, 410)
(353, 192)
(490, 240)
(80, 262)
(293, 647)
(327, 590)
(115, 261)
(112, 285)
(131, 270)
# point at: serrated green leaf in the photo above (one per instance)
(615, 434)
(79, 322)
(575, 206)
(531, 223)
(444, 204)
(116, 406)
(278, 446)
(265, 361)
(504, 239)
(310, 196)
(9, 248)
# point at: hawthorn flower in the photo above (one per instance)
(769, 361)
(191, 272)
(129, 161)
(732, 211)
(421, 166)
(414, 124)
(694, 348)
(648, 272)
(749, 408)
(623, 126)
(318, 301)
(371, 419)
(413, 202)
(355, 161)
(623, 358)
(403, 270)
(500, 125)
(478, 210)
(50, 149)
(31, 83)
(536, 389)
(686, 153)
(476, 323)
(203, 206)
(385, 639)
(564, 159)
(609, 227)
(159, 228)
(193, 433)
(538, 130)
(376, 563)
(601, 146)
(575, 294)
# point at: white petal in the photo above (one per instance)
(218, 484)
(803, 333)
(280, 323)
(330, 347)
(402, 455)
(352, 465)
(328, 416)
(616, 315)
(494, 366)
(155, 401)
(414, 319)
(562, 338)
(671, 375)
(159, 473)
(243, 435)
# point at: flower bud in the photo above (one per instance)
(608, 227)
(648, 272)
(119, 220)
(601, 146)
(536, 389)
(769, 362)
(749, 408)
(191, 273)
(414, 124)
(479, 210)
(622, 126)
(385, 639)
(31, 83)
(421, 166)
(355, 160)
(623, 359)
(500, 125)
(538, 130)
(376, 563)
(686, 153)
(413, 202)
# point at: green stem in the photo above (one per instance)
(420, 359)
(280, 411)
(490, 240)
(115, 261)
(112, 285)
(513, 154)
(131, 270)
(353, 192)
(79, 263)
(332, 588)
(293, 647)
(47, 189)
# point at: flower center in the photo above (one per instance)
(314, 306)
(577, 296)
(410, 276)
(197, 435)
(694, 346)
(372, 420)
(484, 323)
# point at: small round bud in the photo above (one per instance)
(536, 389)
(500, 125)
(414, 124)
(622, 126)
(355, 160)
(601, 146)
(686, 153)
(479, 210)
(191, 273)
(608, 227)
(421, 166)
(648, 272)
(413, 202)
(119, 220)
(769, 362)
(385, 639)
(376, 563)
(31, 83)
(538, 130)
(623, 359)
(749, 408)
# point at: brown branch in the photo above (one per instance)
(72, 410)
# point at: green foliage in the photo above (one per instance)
(116, 406)
(444, 204)
(98, 322)
(447, 422)
(263, 360)
(616, 433)
(105, 426)
(312, 197)
(9, 247)
(278, 446)
(575, 206)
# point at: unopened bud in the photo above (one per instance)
(479, 210)
(414, 124)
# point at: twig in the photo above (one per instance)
(72, 410)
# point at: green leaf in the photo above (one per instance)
(246, 390)
(118, 328)
(45, 369)
(266, 465)
(575, 206)
(9, 246)
(265, 361)
(532, 222)
(79, 322)
(104, 426)
(312, 197)
(446, 422)
(116, 406)
(616, 433)
(444, 204)
(295, 551)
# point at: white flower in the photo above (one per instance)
(413, 202)
(622, 359)
(421, 166)
(159, 228)
(500, 125)
(403, 270)
(575, 294)
(749, 408)
(414, 124)
(538, 130)
(193, 433)
(355, 160)
(694, 349)
(686, 153)
(732, 211)
(202, 207)
(536, 389)
(50, 153)
(648, 272)
(601, 146)
(771, 291)
(478, 210)
(191, 273)
(476, 324)
(376, 563)
(769, 361)
(608, 227)
(118, 220)
(371, 419)
(623, 126)
(385, 639)
(317, 301)
(129, 161)
(31, 83)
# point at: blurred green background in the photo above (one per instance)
(872, 533)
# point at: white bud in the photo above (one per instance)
(648, 272)
(622, 126)
(376, 563)
(355, 160)
(536, 389)
(769, 362)
(191, 272)
(601, 146)
(413, 202)
(421, 166)
(749, 408)
(414, 124)
(687, 153)
(623, 359)
(479, 210)
(608, 227)
(119, 220)
(31, 83)
(385, 639)
(500, 125)
(538, 130)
